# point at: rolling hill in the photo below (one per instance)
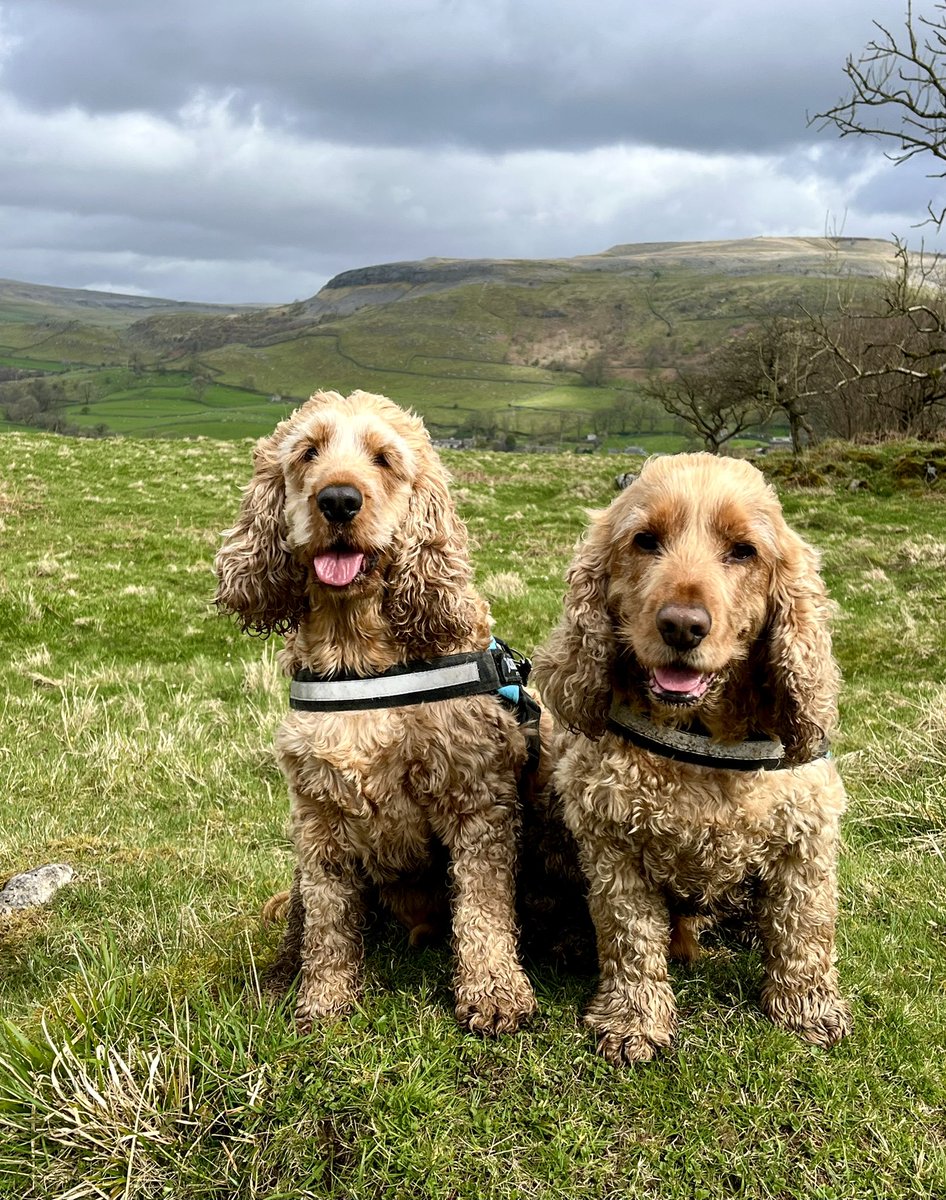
(537, 349)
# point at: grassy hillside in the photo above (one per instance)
(468, 344)
(136, 1057)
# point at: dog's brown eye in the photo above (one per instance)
(312, 452)
(646, 541)
(741, 551)
(381, 460)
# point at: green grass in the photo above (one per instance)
(136, 1056)
(171, 407)
(30, 364)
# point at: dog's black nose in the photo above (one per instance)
(683, 626)
(340, 503)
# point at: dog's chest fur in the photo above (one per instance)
(694, 832)
(380, 784)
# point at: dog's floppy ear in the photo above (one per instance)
(257, 577)
(573, 668)
(805, 675)
(429, 601)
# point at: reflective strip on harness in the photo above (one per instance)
(445, 678)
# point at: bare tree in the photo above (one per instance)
(593, 368)
(87, 391)
(881, 367)
(717, 402)
(772, 363)
(888, 363)
(898, 93)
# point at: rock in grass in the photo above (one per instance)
(33, 888)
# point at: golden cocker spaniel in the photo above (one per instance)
(693, 666)
(348, 542)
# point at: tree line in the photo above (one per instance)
(869, 363)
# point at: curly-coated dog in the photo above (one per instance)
(693, 666)
(347, 541)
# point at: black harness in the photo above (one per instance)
(500, 670)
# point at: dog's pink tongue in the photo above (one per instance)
(338, 568)
(677, 679)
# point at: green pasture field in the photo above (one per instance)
(62, 342)
(168, 404)
(169, 407)
(30, 364)
(425, 382)
(452, 394)
(137, 1058)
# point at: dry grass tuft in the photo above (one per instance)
(926, 551)
(262, 676)
(503, 585)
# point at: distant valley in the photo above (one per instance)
(522, 349)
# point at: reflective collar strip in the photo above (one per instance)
(442, 679)
(752, 755)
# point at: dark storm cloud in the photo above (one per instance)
(486, 75)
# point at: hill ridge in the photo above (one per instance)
(385, 283)
(859, 255)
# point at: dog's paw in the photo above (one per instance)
(632, 1026)
(822, 1018)
(311, 1016)
(500, 1007)
(626, 1049)
(629, 1041)
(323, 1001)
(276, 983)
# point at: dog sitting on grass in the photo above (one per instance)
(693, 666)
(347, 542)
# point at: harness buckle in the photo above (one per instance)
(512, 666)
(514, 669)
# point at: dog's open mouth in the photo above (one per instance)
(679, 685)
(342, 566)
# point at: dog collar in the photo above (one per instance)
(754, 754)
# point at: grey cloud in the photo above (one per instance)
(233, 238)
(905, 188)
(494, 75)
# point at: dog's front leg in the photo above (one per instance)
(493, 994)
(797, 914)
(633, 1012)
(331, 889)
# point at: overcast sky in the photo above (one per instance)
(233, 150)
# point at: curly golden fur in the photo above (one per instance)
(348, 542)
(691, 601)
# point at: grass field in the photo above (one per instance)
(136, 1056)
(168, 405)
